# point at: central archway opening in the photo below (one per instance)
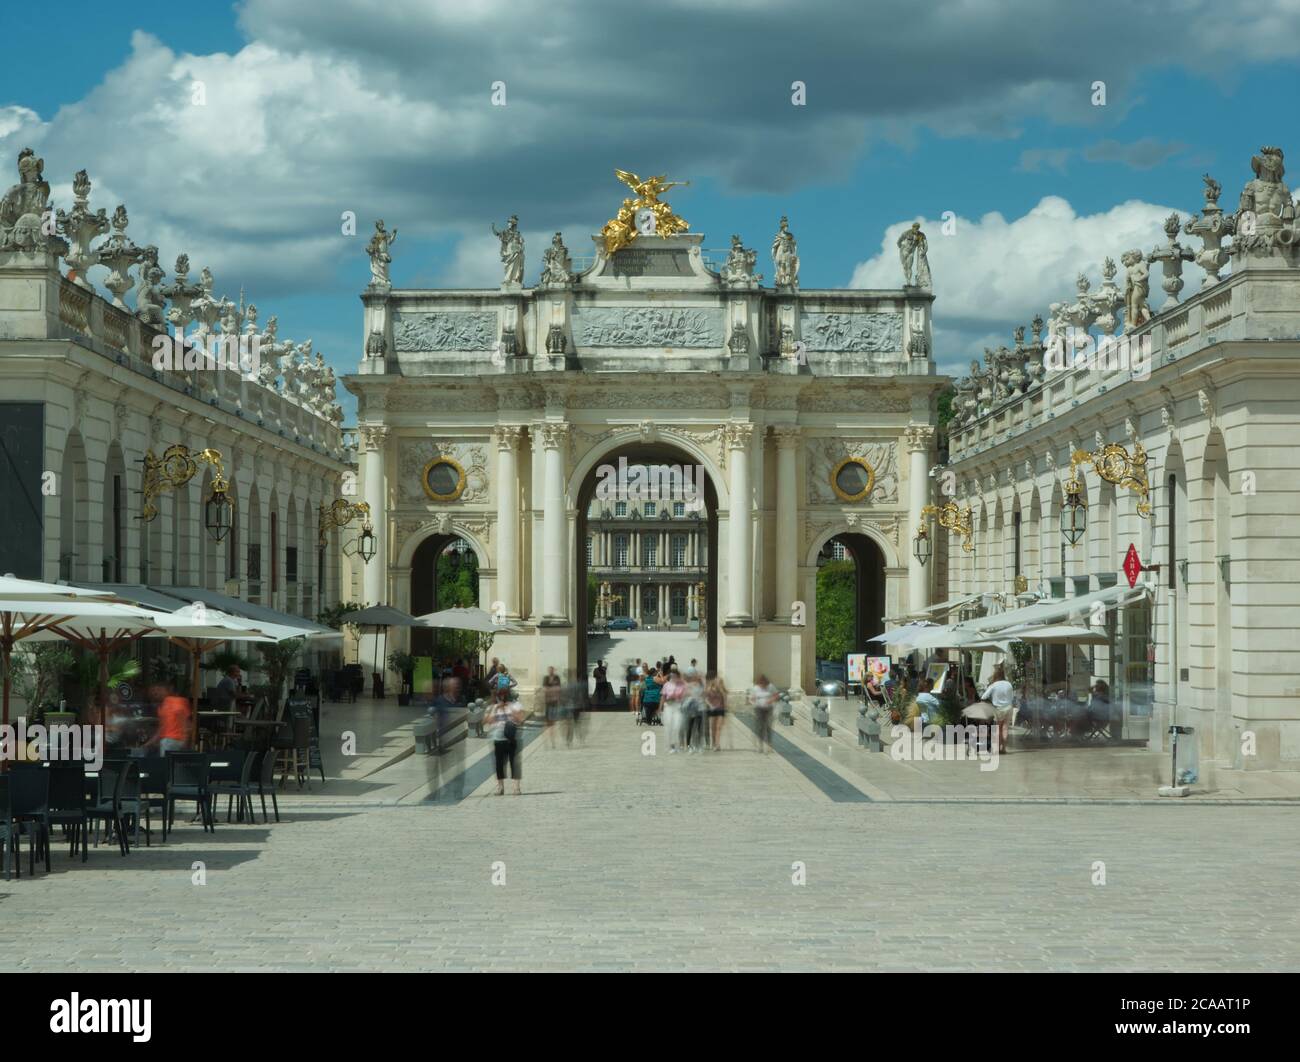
(850, 602)
(646, 569)
(444, 574)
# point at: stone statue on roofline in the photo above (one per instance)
(913, 253)
(739, 268)
(557, 266)
(785, 257)
(23, 209)
(380, 259)
(1137, 274)
(512, 252)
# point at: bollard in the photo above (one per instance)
(869, 730)
(784, 710)
(821, 718)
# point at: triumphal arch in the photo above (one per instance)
(499, 416)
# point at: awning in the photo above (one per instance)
(1059, 610)
(170, 598)
(941, 609)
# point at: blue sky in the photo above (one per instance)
(318, 107)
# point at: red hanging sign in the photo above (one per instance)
(1132, 566)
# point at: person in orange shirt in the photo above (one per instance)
(173, 721)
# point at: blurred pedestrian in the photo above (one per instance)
(505, 719)
(650, 692)
(674, 694)
(693, 707)
(715, 702)
(174, 720)
(551, 684)
(763, 697)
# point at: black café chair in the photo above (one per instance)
(188, 779)
(231, 777)
(10, 835)
(119, 789)
(263, 781)
(66, 806)
(299, 752)
(29, 792)
(150, 796)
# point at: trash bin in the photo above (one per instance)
(1186, 753)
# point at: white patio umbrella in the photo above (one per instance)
(197, 629)
(15, 589)
(466, 619)
(1057, 634)
(94, 618)
(476, 620)
(903, 636)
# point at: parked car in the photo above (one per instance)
(622, 623)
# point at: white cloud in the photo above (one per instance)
(992, 274)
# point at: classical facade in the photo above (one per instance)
(649, 558)
(493, 414)
(95, 387)
(1181, 410)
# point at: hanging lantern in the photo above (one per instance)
(922, 546)
(1074, 512)
(219, 511)
(366, 543)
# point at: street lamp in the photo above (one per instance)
(951, 518)
(175, 469)
(341, 512)
(1114, 465)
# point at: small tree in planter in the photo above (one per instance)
(402, 663)
(278, 659)
(37, 674)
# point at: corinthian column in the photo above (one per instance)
(787, 512)
(374, 579)
(554, 524)
(508, 519)
(740, 538)
(918, 450)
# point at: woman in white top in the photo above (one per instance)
(1002, 695)
(503, 721)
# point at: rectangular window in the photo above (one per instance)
(679, 508)
(620, 508)
(291, 564)
(649, 551)
(679, 551)
(679, 603)
(648, 510)
(650, 602)
(589, 551)
(620, 551)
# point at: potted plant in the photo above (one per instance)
(37, 673)
(403, 664)
(278, 659)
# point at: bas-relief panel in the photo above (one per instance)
(647, 326)
(852, 332)
(446, 330)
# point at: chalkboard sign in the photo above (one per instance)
(22, 459)
(308, 708)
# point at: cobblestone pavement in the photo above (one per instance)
(615, 860)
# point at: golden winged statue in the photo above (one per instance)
(621, 230)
